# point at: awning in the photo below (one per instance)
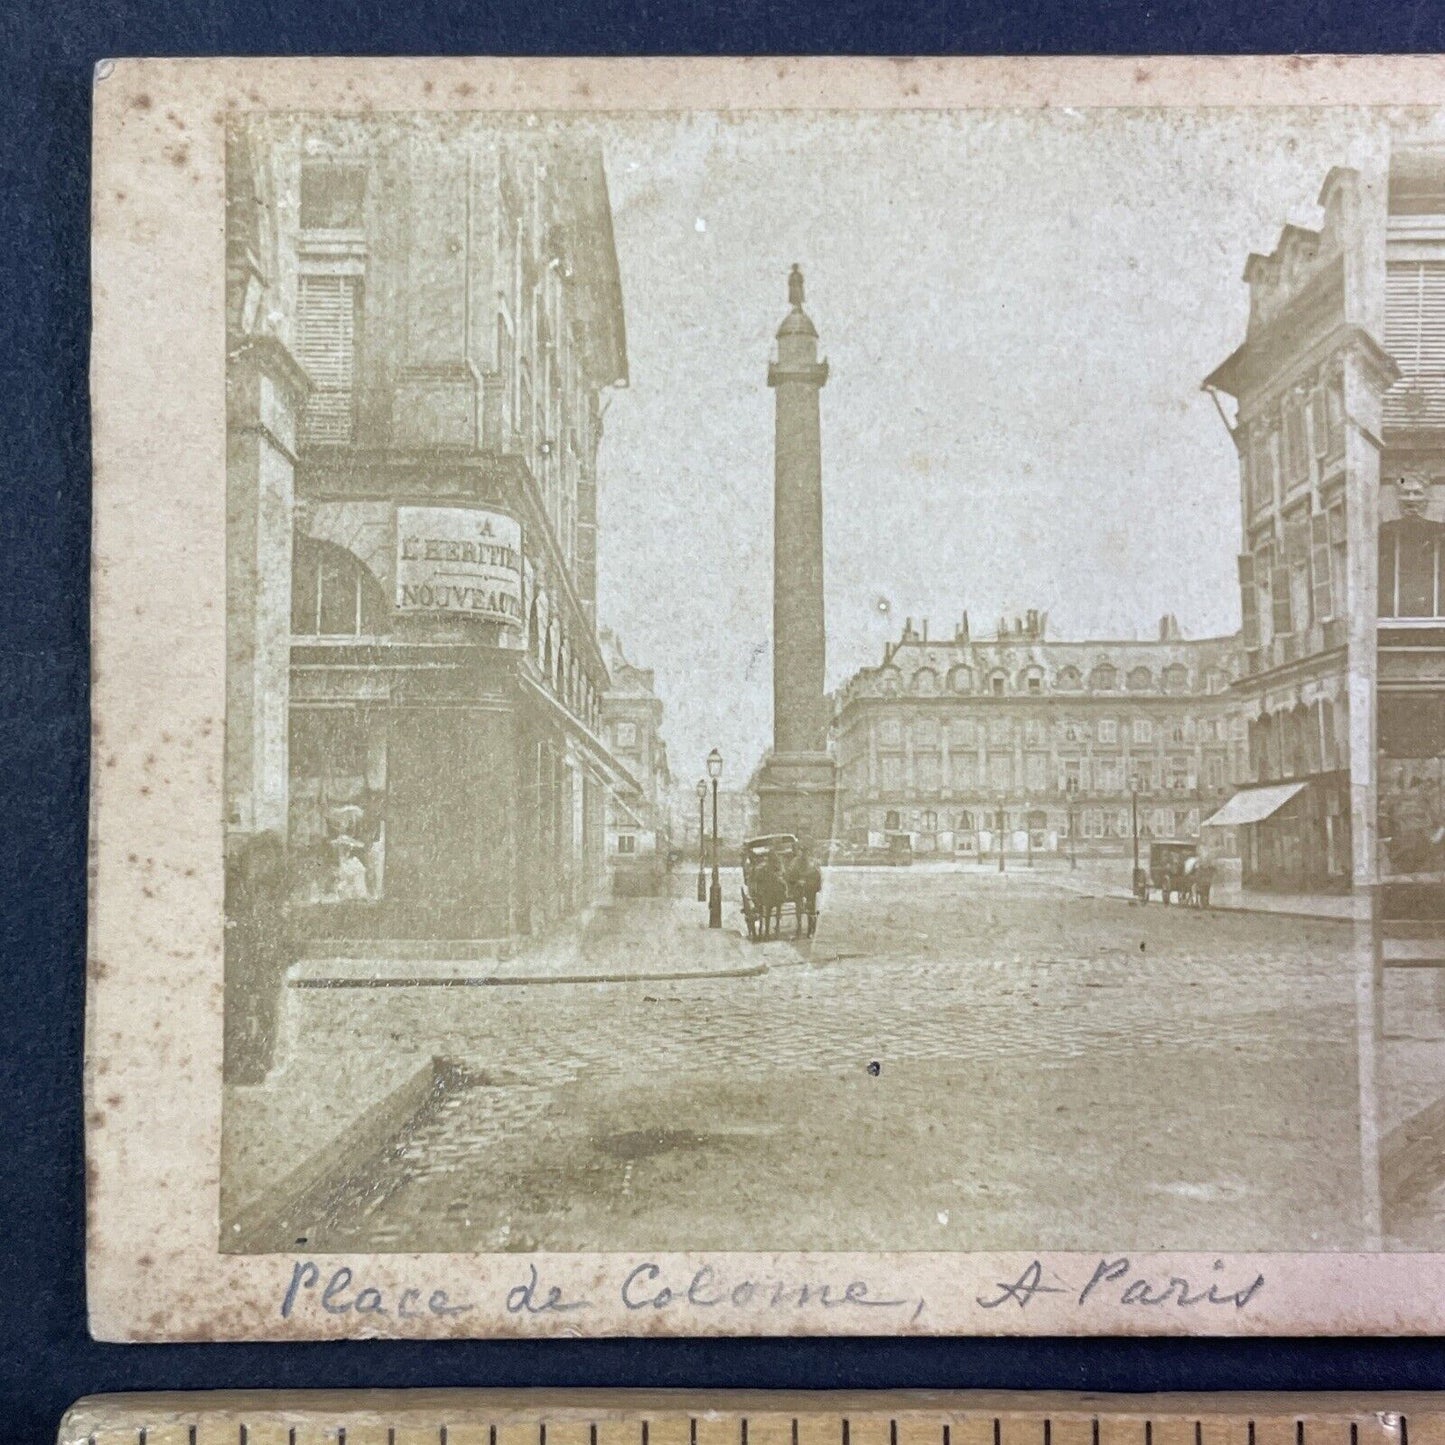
(1254, 805)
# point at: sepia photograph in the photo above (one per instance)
(821, 681)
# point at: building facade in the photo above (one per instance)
(639, 821)
(1340, 419)
(1033, 745)
(425, 314)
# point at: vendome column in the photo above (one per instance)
(798, 781)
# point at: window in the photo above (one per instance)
(1069, 679)
(1412, 583)
(626, 735)
(1035, 771)
(1176, 677)
(1108, 730)
(888, 681)
(1072, 775)
(326, 309)
(1034, 682)
(626, 843)
(963, 732)
(1104, 678)
(1072, 731)
(333, 593)
(1000, 733)
(930, 821)
(925, 732)
(961, 679)
(892, 771)
(996, 684)
(965, 771)
(890, 820)
(1140, 679)
(1296, 448)
(1178, 731)
(925, 681)
(928, 772)
(1106, 775)
(1214, 770)
(1034, 733)
(1143, 730)
(1177, 777)
(964, 823)
(890, 732)
(1000, 772)
(1142, 777)
(331, 197)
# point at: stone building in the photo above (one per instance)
(967, 743)
(1340, 420)
(639, 822)
(425, 313)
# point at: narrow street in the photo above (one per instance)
(958, 1061)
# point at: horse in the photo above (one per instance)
(805, 880)
(1198, 880)
(768, 892)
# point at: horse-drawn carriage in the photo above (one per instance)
(1175, 870)
(779, 877)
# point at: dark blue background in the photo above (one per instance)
(46, 56)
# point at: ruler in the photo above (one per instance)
(622, 1417)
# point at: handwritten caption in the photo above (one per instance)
(649, 1288)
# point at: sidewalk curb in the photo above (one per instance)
(1242, 908)
(525, 980)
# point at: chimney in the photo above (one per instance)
(925, 629)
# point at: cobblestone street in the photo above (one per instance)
(958, 1060)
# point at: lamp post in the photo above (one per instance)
(1000, 820)
(1134, 828)
(701, 840)
(714, 898)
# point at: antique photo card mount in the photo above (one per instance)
(757, 697)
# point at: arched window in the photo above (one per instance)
(888, 681)
(964, 824)
(1069, 679)
(1140, 679)
(1104, 678)
(333, 593)
(1033, 680)
(1176, 677)
(1412, 569)
(925, 681)
(961, 679)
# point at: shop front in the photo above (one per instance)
(1292, 836)
(444, 784)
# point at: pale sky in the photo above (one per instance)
(1018, 310)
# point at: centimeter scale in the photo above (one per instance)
(486, 1417)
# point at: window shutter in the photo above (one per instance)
(1248, 601)
(1323, 591)
(1279, 591)
(1415, 337)
(326, 347)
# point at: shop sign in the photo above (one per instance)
(459, 562)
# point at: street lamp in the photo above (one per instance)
(1134, 817)
(714, 898)
(701, 840)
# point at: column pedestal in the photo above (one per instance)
(796, 794)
